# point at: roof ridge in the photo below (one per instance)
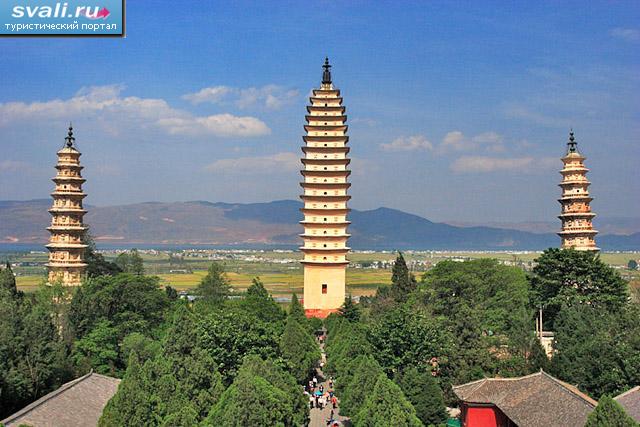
(45, 398)
(631, 390)
(571, 389)
(471, 382)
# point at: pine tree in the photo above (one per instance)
(386, 405)
(299, 350)
(258, 301)
(403, 282)
(569, 277)
(130, 262)
(350, 310)
(422, 390)
(296, 310)
(214, 287)
(537, 358)
(363, 381)
(97, 265)
(251, 401)
(609, 413)
(131, 405)
(261, 395)
(7, 279)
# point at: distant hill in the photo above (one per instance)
(272, 224)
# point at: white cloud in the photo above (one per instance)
(213, 95)
(271, 96)
(457, 141)
(363, 120)
(279, 162)
(485, 164)
(219, 125)
(105, 106)
(627, 34)
(411, 143)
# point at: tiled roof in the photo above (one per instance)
(78, 403)
(531, 401)
(630, 401)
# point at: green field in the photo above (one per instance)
(281, 271)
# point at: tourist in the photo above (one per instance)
(334, 402)
(321, 402)
(311, 400)
(330, 382)
(321, 388)
(315, 381)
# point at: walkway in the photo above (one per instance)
(320, 417)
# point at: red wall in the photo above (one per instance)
(480, 416)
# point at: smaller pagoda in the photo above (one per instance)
(577, 228)
(66, 244)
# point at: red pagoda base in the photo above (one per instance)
(319, 313)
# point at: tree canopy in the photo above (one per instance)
(402, 281)
(423, 392)
(609, 413)
(130, 262)
(386, 405)
(214, 287)
(569, 277)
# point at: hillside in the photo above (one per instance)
(270, 224)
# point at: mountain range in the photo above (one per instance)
(273, 224)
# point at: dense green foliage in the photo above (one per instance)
(483, 305)
(262, 394)
(598, 350)
(180, 379)
(130, 262)
(8, 280)
(350, 310)
(97, 265)
(402, 281)
(570, 277)
(422, 390)
(214, 287)
(107, 309)
(407, 337)
(497, 292)
(299, 350)
(226, 361)
(296, 310)
(258, 301)
(32, 353)
(386, 405)
(361, 381)
(609, 413)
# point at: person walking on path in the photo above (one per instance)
(326, 410)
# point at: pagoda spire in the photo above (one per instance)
(69, 139)
(576, 215)
(66, 243)
(326, 74)
(325, 183)
(572, 145)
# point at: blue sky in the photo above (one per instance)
(458, 111)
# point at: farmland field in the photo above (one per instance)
(281, 271)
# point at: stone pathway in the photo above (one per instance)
(320, 417)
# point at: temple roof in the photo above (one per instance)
(533, 400)
(77, 403)
(630, 401)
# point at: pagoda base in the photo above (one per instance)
(320, 313)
